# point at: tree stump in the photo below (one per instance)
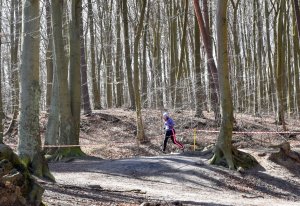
(17, 186)
(285, 153)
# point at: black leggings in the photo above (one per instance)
(171, 133)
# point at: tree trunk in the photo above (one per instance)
(127, 54)
(209, 54)
(224, 146)
(74, 72)
(199, 93)
(296, 18)
(144, 77)
(280, 77)
(14, 39)
(69, 100)
(87, 109)
(272, 90)
(108, 53)
(180, 67)
(174, 51)
(119, 71)
(138, 32)
(156, 59)
(297, 13)
(49, 59)
(1, 108)
(29, 146)
(95, 83)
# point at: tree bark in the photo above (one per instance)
(224, 146)
(296, 18)
(49, 58)
(119, 71)
(280, 77)
(138, 32)
(297, 13)
(180, 68)
(144, 77)
(69, 97)
(95, 83)
(14, 39)
(156, 61)
(1, 108)
(108, 53)
(199, 93)
(74, 72)
(213, 71)
(296, 51)
(29, 146)
(87, 109)
(127, 54)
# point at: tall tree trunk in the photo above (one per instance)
(280, 74)
(296, 18)
(119, 71)
(138, 32)
(296, 51)
(179, 70)
(1, 108)
(14, 39)
(95, 83)
(127, 54)
(108, 53)
(237, 58)
(69, 100)
(224, 146)
(144, 77)
(199, 93)
(173, 51)
(74, 72)
(156, 59)
(49, 58)
(297, 13)
(272, 90)
(87, 109)
(29, 147)
(209, 54)
(260, 58)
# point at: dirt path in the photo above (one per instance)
(168, 180)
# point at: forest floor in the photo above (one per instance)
(118, 171)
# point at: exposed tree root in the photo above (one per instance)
(241, 160)
(66, 154)
(18, 187)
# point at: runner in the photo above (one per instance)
(170, 132)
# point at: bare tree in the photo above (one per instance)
(127, 53)
(84, 78)
(138, 33)
(29, 147)
(205, 33)
(49, 55)
(1, 108)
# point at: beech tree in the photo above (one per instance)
(205, 33)
(224, 146)
(1, 109)
(67, 95)
(138, 33)
(29, 147)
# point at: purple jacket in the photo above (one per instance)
(169, 124)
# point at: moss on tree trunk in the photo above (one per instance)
(17, 186)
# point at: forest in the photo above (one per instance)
(85, 84)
